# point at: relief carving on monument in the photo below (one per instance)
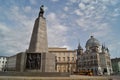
(33, 61)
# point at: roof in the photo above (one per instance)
(57, 49)
(115, 59)
(92, 42)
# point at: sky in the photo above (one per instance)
(68, 23)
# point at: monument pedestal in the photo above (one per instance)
(40, 62)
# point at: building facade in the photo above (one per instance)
(95, 58)
(65, 59)
(3, 61)
(116, 65)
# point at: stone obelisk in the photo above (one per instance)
(39, 41)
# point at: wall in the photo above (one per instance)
(11, 63)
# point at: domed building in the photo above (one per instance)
(95, 58)
(91, 43)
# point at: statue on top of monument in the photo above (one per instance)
(41, 11)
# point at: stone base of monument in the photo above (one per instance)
(35, 74)
(32, 62)
(40, 62)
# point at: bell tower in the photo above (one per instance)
(79, 50)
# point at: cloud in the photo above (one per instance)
(56, 31)
(78, 12)
(17, 35)
(27, 9)
(87, 1)
(82, 6)
(74, 19)
(114, 49)
(95, 16)
(66, 8)
(116, 12)
(73, 1)
(66, 46)
(6, 35)
(3, 28)
(20, 18)
(92, 16)
(55, 0)
(33, 2)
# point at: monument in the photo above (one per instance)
(36, 58)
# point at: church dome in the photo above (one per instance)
(92, 42)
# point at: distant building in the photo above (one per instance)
(95, 58)
(116, 65)
(3, 61)
(65, 59)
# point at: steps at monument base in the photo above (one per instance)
(38, 74)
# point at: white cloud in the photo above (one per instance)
(73, 1)
(116, 12)
(114, 2)
(22, 19)
(114, 49)
(6, 39)
(63, 16)
(4, 28)
(52, 17)
(82, 6)
(86, 1)
(56, 31)
(92, 17)
(78, 12)
(81, 17)
(18, 36)
(66, 8)
(27, 9)
(33, 2)
(66, 46)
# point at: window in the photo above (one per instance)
(72, 58)
(63, 58)
(59, 53)
(68, 58)
(59, 58)
(91, 57)
(55, 58)
(95, 57)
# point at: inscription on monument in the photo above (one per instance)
(33, 61)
